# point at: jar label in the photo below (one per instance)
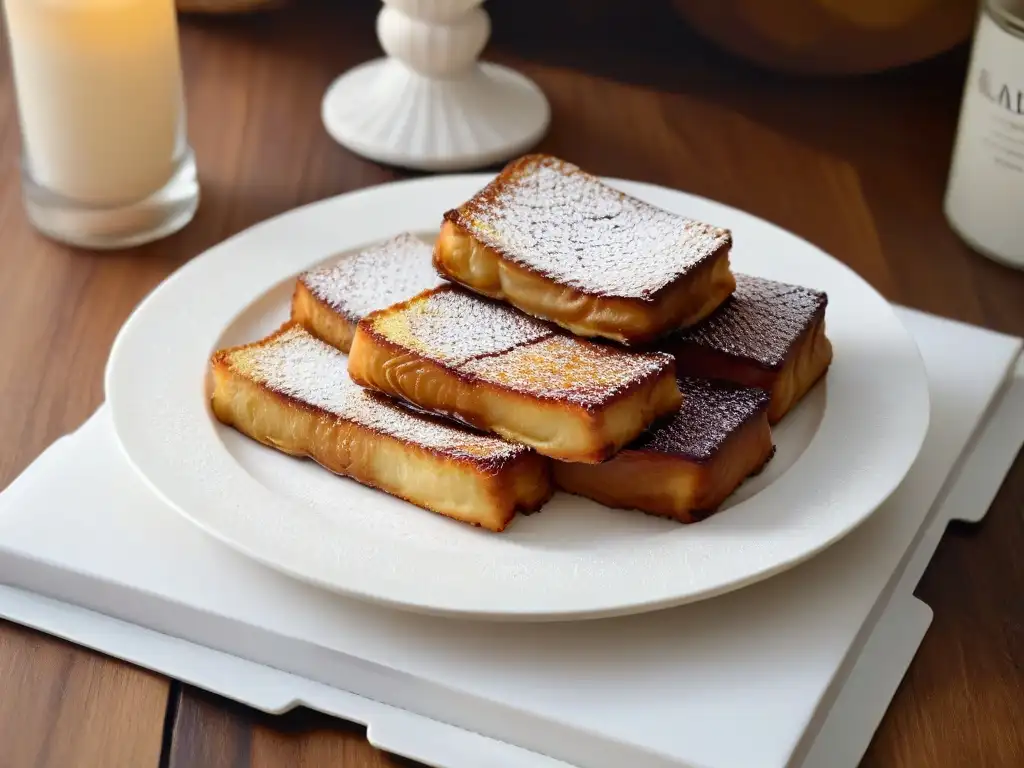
(985, 197)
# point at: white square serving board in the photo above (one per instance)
(795, 671)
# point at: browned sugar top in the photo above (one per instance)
(295, 364)
(710, 414)
(761, 321)
(551, 217)
(374, 278)
(451, 326)
(492, 342)
(561, 367)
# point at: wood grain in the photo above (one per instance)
(61, 705)
(214, 733)
(895, 130)
(962, 699)
(64, 706)
(856, 166)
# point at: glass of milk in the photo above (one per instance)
(105, 156)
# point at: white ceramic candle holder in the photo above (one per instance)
(430, 104)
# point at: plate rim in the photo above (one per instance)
(917, 417)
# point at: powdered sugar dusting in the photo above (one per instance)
(451, 326)
(296, 364)
(376, 277)
(551, 217)
(761, 321)
(496, 343)
(710, 414)
(564, 368)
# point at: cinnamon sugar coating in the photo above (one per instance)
(760, 322)
(710, 414)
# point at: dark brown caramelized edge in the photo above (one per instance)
(696, 432)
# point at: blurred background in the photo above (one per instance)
(799, 36)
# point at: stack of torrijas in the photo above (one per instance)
(557, 333)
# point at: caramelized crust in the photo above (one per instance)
(559, 244)
(629, 321)
(330, 300)
(685, 467)
(292, 392)
(321, 320)
(768, 334)
(455, 354)
(803, 368)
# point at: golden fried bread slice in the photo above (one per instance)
(330, 300)
(686, 466)
(292, 392)
(456, 354)
(767, 334)
(559, 244)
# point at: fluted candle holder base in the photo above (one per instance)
(385, 111)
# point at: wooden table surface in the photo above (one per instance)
(857, 166)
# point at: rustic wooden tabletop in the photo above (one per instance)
(857, 166)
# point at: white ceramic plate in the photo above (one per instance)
(840, 453)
